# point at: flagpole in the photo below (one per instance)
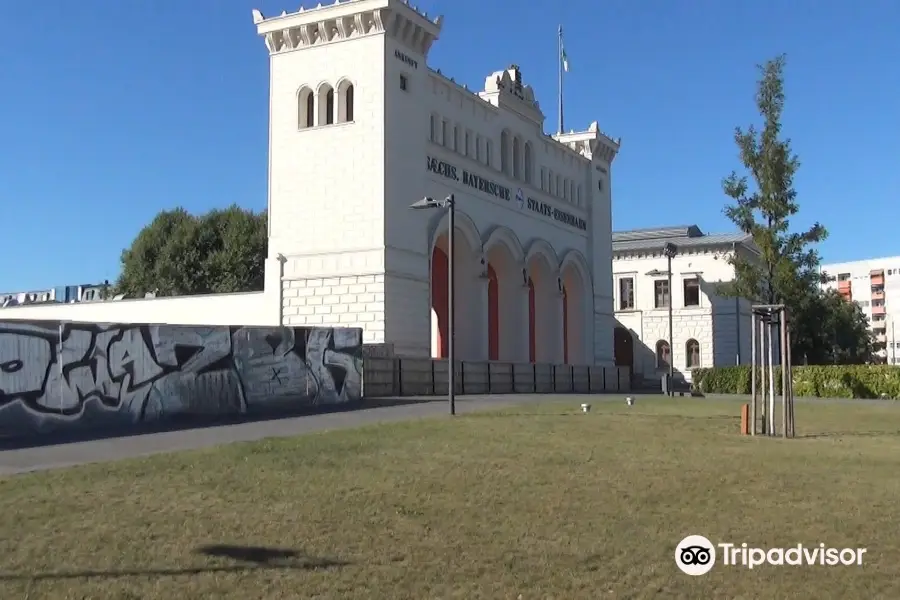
(559, 60)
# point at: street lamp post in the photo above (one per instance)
(449, 204)
(893, 343)
(670, 250)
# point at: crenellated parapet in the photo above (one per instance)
(348, 19)
(593, 144)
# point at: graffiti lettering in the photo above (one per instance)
(62, 375)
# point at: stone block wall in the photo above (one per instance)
(350, 301)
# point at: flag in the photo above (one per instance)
(565, 61)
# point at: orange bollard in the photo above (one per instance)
(745, 419)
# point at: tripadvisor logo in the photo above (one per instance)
(696, 555)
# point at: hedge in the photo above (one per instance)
(837, 381)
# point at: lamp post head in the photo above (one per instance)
(670, 250)
(429, 202)
(424, 203)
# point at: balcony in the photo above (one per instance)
(878, 310)
(876, 277)
(878, 294)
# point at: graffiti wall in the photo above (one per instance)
(57, 376)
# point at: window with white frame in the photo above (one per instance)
(626, 293)
(661, 295)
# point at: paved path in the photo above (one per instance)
(99, 450)
(128, 446)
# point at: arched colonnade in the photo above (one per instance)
(513, 303)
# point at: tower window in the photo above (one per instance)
(348, 98)
(329, 107)
(325, 105)
(404, 83)
(346, 101)
(306, 108)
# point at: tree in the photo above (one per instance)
(824, 328)
(831, 330)
(786, 271)
(180, 254)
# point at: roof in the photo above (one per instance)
(683, 236)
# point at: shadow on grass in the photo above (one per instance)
(841, 434)
(623, 413)
(254, 559)
(507, 415)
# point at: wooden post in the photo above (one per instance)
(790, 386)
(745, 419)
(764, 404)
(785, 374)
(753, 371)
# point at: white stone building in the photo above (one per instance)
(708, 329)
(875, 285)
(359, 129)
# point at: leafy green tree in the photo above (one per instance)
(181, 254)
(831, 330)
(787, 269)
(763, 200)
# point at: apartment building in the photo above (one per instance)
(875, 285)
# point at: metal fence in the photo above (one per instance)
(396, 376)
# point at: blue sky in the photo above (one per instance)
(112, 111)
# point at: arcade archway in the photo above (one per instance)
(507, 334)
(467, 299)
(576, 299)
(544, 306)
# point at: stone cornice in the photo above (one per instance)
(345, 20)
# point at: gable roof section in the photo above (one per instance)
(684, 236)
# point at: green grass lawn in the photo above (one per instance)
(536, 502)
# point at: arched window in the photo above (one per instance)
(559, 186)
(306, 108)
(692, 352)
(329, 107)
(325, 108)
(504, 152)
(517, 158)
(579, 195)
(551, 181)
(571, 191)
(663, 354)
(345, 101)
(529, 163)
